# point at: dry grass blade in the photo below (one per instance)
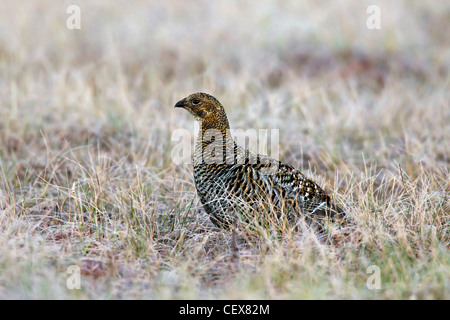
(86, 173)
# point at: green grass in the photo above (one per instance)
(87, 178)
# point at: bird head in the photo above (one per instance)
(206, 109)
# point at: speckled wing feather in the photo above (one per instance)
(223, 186)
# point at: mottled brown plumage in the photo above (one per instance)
(230, 179)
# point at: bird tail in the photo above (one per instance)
(329, 211)
(336, 212)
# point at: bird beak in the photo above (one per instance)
(179, 104)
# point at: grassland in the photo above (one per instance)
(86, 172)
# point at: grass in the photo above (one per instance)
(86, 124)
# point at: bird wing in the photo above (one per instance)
(293, 185)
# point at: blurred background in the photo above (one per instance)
(266, 62)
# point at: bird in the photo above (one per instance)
(231, 180)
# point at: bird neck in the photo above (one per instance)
(214, 135)
(214, 144)
(212, 129)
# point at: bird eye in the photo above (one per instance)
(196, 101)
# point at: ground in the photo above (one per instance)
(88, 180)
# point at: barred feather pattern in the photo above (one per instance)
(229, 177)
